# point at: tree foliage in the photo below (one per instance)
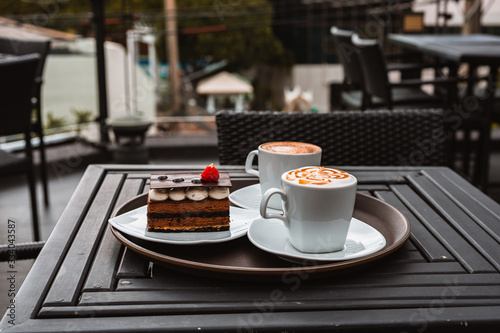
(246, 38)
(236, 30)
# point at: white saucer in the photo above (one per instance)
(134, 223)
(271, 236)
(249, 197)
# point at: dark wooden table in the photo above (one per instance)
(475, 50)
(444, 278)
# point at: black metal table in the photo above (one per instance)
(446, 277)
(475, 50)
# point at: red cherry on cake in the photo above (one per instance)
(210, 174)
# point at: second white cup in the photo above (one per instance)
(275, 158)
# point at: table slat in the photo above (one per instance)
(442, 231)
(456, 216)
(66, 286)
(251, 295)
(485, 212)
(373, 187)
(168, 279)
(132, 265)
(432, 249)
(464, 186)
(101, 276)
(400, 319)
(236, 308)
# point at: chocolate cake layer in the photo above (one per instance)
(192, 215)
(188, 206)
(193, 229)
(188, 216)
(182, 223)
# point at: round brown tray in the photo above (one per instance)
(241, 260)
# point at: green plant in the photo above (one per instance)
(82, 116)
(55, 122)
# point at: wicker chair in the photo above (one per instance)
(348, 138)
(42, 47)
(16, 78)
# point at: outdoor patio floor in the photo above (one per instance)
(66, 165)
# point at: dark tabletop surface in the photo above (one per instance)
(474, 49)
(444, 278)
(480, 48)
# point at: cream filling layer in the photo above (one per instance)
(192, 193)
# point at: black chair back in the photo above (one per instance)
(16, 90)
(348, 56)
(374, 67)
(42, 47)
(16, 81)
(23, 47)
(348, 138)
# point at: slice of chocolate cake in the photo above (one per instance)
(184, 203)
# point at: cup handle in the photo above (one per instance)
(249, 162)
(265, 199)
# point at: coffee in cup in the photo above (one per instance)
(318, 203)
(290, 147)
(277, 157)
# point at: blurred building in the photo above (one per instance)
(457, 14)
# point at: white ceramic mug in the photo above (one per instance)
(317, 205)
(275, 158)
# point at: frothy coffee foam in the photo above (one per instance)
(287, 147)
(319, 176)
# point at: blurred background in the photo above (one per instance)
(279, 54)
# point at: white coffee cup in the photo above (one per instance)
(275, 158)
(318, 203)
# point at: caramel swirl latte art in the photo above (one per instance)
(319, 176)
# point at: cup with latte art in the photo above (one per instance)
(317, 204)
